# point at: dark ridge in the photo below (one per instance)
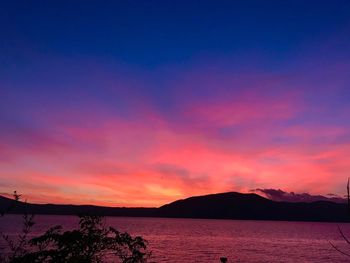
(230, 205)
(234, 205)
(53, 209)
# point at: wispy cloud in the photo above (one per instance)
(217, 131)
(281, 196)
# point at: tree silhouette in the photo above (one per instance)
(92, 242)
(340, 230)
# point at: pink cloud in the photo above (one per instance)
(213, 142)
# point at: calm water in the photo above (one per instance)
(199, 240)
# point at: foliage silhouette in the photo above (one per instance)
(8, 209)
(92, 242)
(340, 230)
(17, 247)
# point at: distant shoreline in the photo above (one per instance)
(224, 206)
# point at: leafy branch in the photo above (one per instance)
(340, 230)
(92, 242)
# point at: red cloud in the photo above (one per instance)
(217, 138)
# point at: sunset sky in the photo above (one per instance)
(140, 103)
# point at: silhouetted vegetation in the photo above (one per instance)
(340, 230)
(11, 206)
(92, 242)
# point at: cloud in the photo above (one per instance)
(114, 141)
(282, 196)
(18, 138)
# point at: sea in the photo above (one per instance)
(206, 240)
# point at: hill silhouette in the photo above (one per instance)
(55, 209)
(231, 205)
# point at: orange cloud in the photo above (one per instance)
(245, 140)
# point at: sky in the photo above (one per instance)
(140, 103)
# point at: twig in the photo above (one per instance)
(343, 236)
(337, 249)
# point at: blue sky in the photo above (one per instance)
(255, 93)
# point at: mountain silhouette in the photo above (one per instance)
(234, 205)
(231, 205)
(54, 209)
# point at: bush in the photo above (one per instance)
(92, 242)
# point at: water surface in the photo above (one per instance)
(201, 240)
